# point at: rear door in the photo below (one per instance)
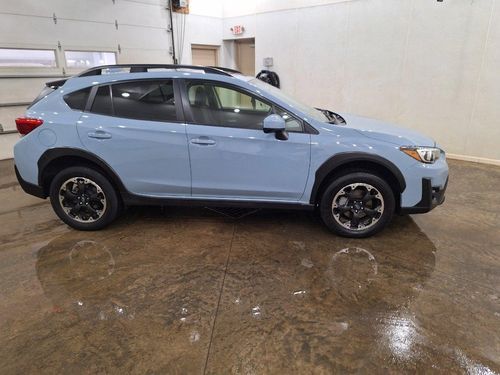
(231, 156)
(136, 127)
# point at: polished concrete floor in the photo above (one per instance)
(192, 291)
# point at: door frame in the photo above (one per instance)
(212, 47)
(237, 45)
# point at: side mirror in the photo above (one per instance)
(276, 124)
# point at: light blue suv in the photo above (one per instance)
(124, 135)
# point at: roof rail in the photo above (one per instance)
(143, 68)
(229, 70)
(56, 84)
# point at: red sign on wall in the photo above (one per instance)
(237, 30)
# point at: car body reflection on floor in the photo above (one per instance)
(313, 296)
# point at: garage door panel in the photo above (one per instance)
(98, 33)
(139, 14)
(21, 90)
(133, 37)
(138, 56)
(153, 14)
(8, 115)
(35, 31)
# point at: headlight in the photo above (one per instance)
(423, 154)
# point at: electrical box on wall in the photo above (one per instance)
(268, 62)
(180, 6)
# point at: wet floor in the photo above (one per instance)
(193, 291)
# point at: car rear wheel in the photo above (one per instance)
(83, 198)
(357, 205)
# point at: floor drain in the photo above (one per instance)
(233, 212)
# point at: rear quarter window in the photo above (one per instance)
(78, 99)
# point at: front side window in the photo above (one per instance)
(292, 124)
(145, 100)
(213, 104)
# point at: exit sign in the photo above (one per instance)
(237, 30)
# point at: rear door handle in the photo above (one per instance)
(203, 141)
(99, 134)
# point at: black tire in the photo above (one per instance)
(361, 181)
(108, 199)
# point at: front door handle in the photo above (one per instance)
(203, 141)
(99, 134)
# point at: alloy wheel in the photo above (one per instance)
(82, 199)
(358, 206)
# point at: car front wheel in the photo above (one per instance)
(83, 198)
(357, 205)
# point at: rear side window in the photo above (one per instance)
(102, 102)
(78, 99)
(145, 100)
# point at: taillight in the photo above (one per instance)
(26, 125)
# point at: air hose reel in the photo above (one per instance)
(270, 77)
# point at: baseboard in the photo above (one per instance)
(474, 159)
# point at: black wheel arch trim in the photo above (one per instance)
(60, 152)
(344, 158)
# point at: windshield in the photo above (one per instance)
(310, 111)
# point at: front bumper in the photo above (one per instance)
(431, 197)
(29, 188)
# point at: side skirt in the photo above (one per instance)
(137, 200)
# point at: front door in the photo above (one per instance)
(134, 127)
(231, 157)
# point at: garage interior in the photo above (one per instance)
(203, 290)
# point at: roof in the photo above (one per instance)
(119, 72)
(143, 68)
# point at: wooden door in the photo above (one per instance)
(204, 55)
(245, 56)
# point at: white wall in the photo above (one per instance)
(426, 65)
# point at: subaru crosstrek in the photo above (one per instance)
(124, 135)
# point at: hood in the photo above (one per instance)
(387, 133)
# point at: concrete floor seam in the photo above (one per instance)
(220, 298)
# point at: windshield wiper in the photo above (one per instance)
(333, 118)
(325, 112)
